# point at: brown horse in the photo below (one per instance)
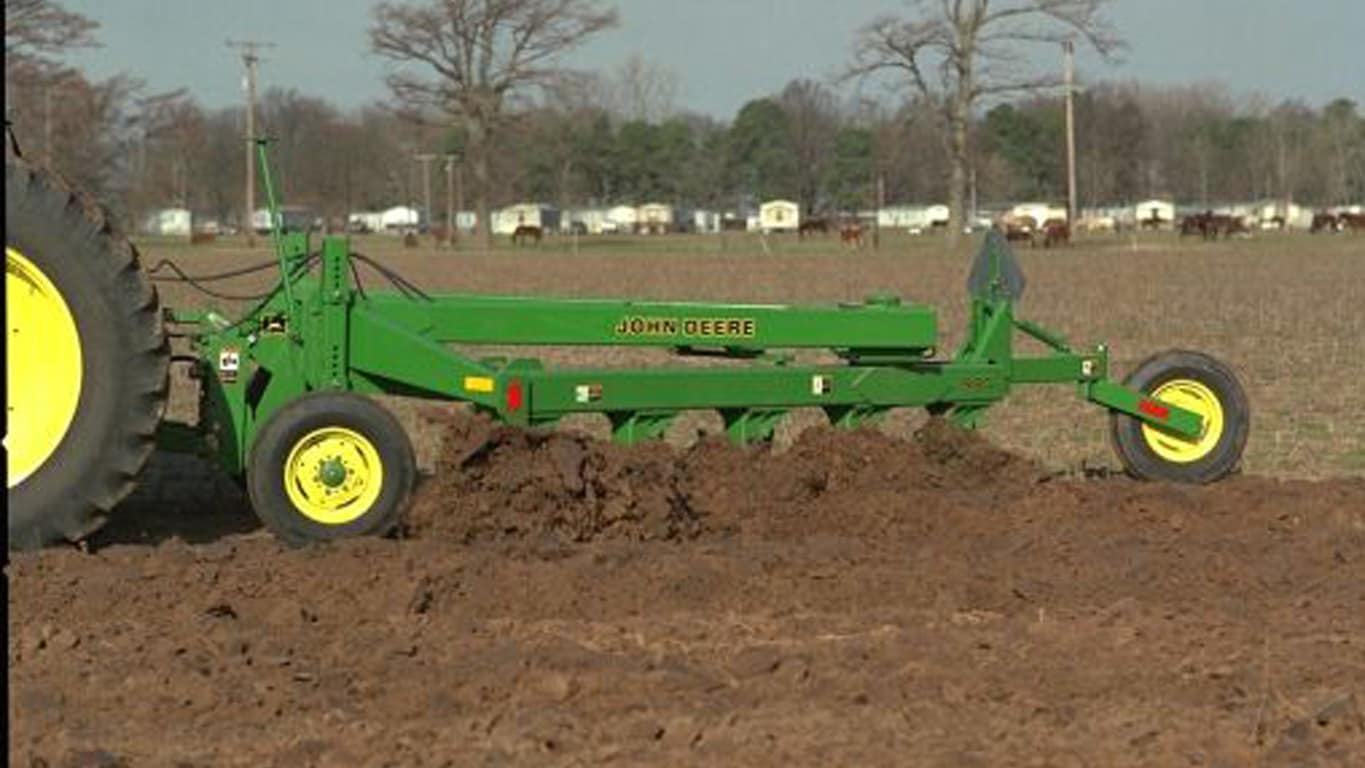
(818, 226)
(1195, 224)
(1228, 226)
(1056, 232)
(525, 232)
(1324, 222)
(1019, 229)
(851, 235)
(1355, 222)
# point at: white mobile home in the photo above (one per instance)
(656, 219)
(506, 220)
(170, 222)
(365, 221)
(621, 218)
(400, 218)
(1039, 212)
(779, 216)
(292, 219)
(588, 220)
(705, 222)
(1160, 211)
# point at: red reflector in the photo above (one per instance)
(514, 396)
(1154, 409)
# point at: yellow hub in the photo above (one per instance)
(333, 475)
(1192, 396)
(42, 367)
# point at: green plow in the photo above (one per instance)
(283, 386)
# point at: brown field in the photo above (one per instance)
(919, 597)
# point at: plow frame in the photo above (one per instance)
(320, 330)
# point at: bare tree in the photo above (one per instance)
(813, 119)
(642, 90)
(38, 30)
(468, 58)
(957, 53)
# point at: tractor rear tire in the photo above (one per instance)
(86, 362)
(1199, 383)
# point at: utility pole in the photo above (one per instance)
(1068, 51)
(451, 225)
(425, 160)
(881, 203)
(250, 60)
(459, 193)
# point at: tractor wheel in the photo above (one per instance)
(1198, 383)
(85, 362)
(330, 465)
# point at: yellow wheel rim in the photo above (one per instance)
(42, 367)
(1192, 396)
(333, 475)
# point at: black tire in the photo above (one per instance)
(124, 353)
(1225, 457)
(291, 424)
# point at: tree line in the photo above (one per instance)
(618, 137)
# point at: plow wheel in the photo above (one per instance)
(85, 363)
(330, 465)
(1198, 383)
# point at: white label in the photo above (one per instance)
(229, 360)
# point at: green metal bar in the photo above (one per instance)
(467, 319)
(559, 392)
(1050, 338)
(1166, 416)
(276, 221)
(1058, 369)
(386, 351)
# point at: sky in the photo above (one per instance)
(725, 52)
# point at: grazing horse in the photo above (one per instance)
(851, 235)
(526, 232)
(1195, 224)
(1056, 232)
(1230, 225)
(1355, 222)
(1323, 221)
(1020, 228)
(1153, 220)
(812, 227)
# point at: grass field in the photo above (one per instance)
(1283, 309)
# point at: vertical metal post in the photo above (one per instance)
(881, 203)
(451, 226)
(459, 192)
(1068, 50)
(425, 160)
(250, 60)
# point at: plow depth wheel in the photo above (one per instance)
(1198, 383)
(329, 466)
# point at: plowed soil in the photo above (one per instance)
(854, 599)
